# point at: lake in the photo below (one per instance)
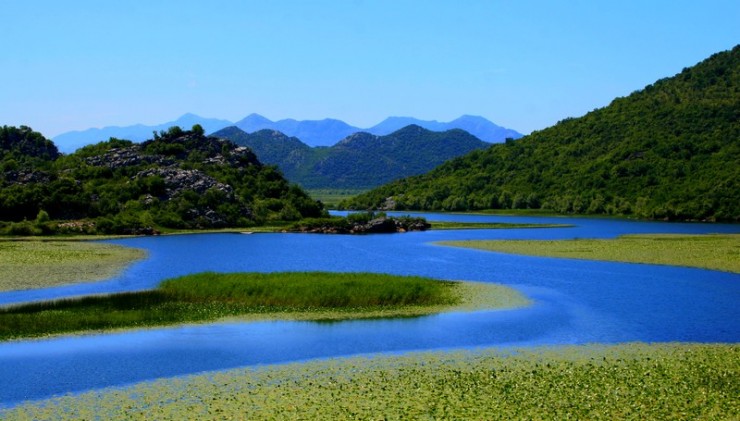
(575, 302)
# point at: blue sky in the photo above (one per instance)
(71, 65)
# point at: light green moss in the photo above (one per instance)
(716, 251)
(40, 264)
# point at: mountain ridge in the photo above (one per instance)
(478, 126)
(70, 141)
(359, 161)
(325, 132)
(669, 151)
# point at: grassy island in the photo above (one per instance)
(596, 382)
(39, 264)
(715, 251)
(213, 296)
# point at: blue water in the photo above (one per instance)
(574, 302)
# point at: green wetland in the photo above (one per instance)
(718, 252)
(39, 264)
(255, 296)
(631, 381)
(596, 340)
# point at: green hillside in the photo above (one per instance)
(360, 161)
(669, 151)
(178, 179)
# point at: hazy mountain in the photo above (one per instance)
(669, 151)
(327, 132)
(71, 141)
(313, 132)
(477, 126)
(324, 132)
(361, 160)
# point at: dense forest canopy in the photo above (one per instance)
(669, 151)
(178, 179)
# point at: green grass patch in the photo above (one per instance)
(39, 264)
(255, 296)
(714, 251)
(449, 225)
(594, 382)
(331, 197)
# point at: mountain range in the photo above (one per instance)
(361, 160)
(70, 141)
(668, 151)
(325, 132)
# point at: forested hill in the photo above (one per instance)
(178, 179)
(21, 145)
(669, 151)
(274, 148)
(361, 160)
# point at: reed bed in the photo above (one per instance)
(212, 296)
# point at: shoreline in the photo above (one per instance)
(590, 381)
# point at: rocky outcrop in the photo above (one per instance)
(374, 226)
(25, 177)
(126, 157)
(178, 180)
(164, 159)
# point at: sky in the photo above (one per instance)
(525, 64)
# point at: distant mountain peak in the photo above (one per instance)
(478, 126)
(469, 117)
(361, 159)
(70, 141)
(410, 129)
(355, 138)
(324, 132)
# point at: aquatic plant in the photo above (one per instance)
(714, 251)
(38, 264)
(628, 381)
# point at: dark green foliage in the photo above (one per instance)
(24, 145)
(179, 179)
(209, 296)
(360, 161)
(669, 151)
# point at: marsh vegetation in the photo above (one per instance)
(212, 296)
(39, 264)
(717, 252)
(630, 381)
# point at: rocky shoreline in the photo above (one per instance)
(378, 225)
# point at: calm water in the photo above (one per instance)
(575, 302)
